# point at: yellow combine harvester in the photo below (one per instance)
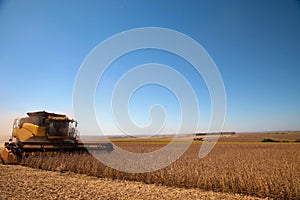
(43, 131)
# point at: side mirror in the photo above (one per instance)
(76, 124)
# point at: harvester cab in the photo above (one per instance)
(43, 124)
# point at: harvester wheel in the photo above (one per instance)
(1, 160)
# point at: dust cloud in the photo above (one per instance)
(6, 123)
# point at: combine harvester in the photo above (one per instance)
(43, 132)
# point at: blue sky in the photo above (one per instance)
(255, 45)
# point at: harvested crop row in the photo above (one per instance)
(17, 182)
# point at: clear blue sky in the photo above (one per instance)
(255, 44)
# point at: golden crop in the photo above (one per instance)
(262, 170)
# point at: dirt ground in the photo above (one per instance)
(18, 182)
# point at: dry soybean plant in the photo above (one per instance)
(262, 170)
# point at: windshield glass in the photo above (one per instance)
(58, 128)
